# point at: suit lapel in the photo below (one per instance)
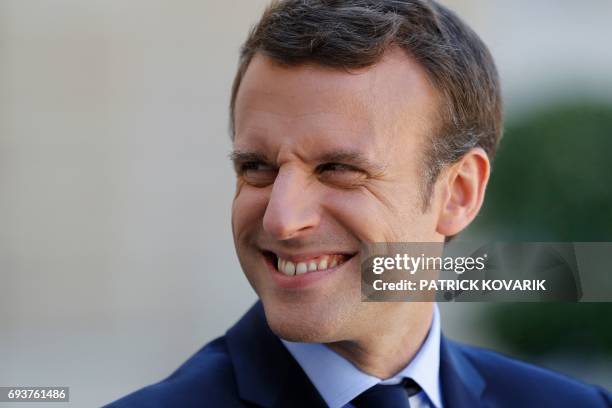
(267, 374)
(461, 384)
(265, 371)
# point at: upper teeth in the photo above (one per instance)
(316, 264)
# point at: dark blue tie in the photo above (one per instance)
(387, 396)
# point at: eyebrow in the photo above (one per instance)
(350, 157)
(241, 156)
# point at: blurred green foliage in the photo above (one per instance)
(552, 181)
(538, 329)
(552, 177)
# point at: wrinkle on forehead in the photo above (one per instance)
(392, 100)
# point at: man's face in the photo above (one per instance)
(326, 160)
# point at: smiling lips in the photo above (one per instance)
(320, 263)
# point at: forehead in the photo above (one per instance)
(390, 101)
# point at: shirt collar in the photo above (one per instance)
(338, 381)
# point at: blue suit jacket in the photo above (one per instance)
(250, 367)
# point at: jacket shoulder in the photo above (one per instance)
(205, 379)
(511, 382)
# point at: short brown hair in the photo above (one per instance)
(349, 34)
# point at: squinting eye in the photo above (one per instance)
(335, 167)
(258, 174)
(343, 175)
(253, 165)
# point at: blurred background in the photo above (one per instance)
(116, 257)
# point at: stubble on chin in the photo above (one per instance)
(322, 324)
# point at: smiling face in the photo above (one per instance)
(326, 160)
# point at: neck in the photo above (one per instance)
(389, 346)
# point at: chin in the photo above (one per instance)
(304, 326)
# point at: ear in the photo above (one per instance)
(463, 191)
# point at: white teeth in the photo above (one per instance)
(289, 268)
(301, 268)
(324, 262)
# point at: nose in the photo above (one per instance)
(292, 208)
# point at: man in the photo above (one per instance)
(355, 121)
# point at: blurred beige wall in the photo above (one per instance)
(116, 256)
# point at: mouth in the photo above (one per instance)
(300, 265)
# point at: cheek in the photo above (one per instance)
(360, 213)
(248, 209)
(379, 216)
